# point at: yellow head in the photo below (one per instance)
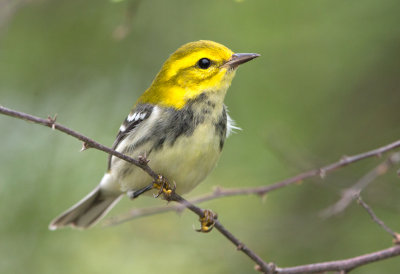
(195, 68)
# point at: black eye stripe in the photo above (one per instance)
(204, 63)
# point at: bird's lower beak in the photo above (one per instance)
(240, 58)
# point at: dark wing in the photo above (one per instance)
(140, 113)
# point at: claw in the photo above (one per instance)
(207, 222)
(163, 187)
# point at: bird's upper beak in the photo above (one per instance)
(240, 58)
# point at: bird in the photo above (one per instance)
(179, 124)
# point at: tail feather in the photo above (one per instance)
(88, 211)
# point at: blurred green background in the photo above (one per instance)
(327, 85)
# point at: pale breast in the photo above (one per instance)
(187, 164)
(183, 145)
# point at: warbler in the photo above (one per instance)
(179, 124)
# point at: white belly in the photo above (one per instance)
(191, 160)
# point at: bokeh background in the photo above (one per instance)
(327, 85)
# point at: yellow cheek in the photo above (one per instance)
(176, 96)
(219, 82)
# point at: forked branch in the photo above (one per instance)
(395, 235)
(351, 193)
(51, 123)
(346, 199)
(341, 265)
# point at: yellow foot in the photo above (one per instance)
(207, 222)
(164, 187)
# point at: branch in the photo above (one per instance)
(396, 236)
(323, 171)
(262, 190)
(351, 193)
(340, 265)
(87, 142)
(346, 265)
(262, 265)
(148, 211)
(51, 123)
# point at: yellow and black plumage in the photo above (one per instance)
(180, 123)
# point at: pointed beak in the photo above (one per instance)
(240, 58)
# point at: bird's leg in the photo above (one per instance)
(161, 184)
(164, 187)
(135, 194)
(207, 222)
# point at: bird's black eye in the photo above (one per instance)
(204, 63)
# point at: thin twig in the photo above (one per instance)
(220, 192)
(351, 193)
(142, 212)
(50, 122)
(347, 264)
(396, 236)
(239, 245)
(87, 142)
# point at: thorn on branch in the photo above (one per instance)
(143, 159)
(52, 121)
(85, 146)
